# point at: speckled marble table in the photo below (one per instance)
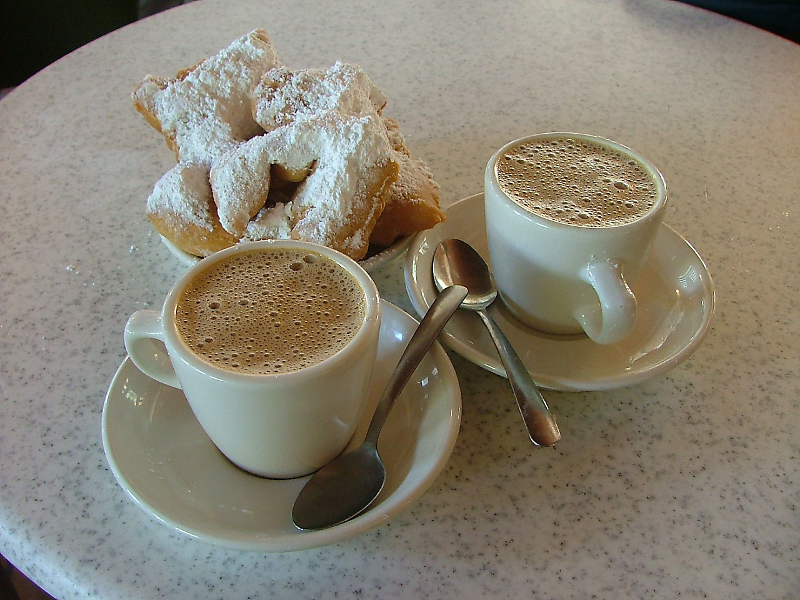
(686, 485)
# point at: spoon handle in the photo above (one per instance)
(540, 423)
(446, 303)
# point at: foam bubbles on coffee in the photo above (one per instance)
(270, 311)
(576, 182)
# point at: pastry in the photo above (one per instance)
(284, 95)
(181, 208)
(240, 180)
(337, 204)
(265, 152)
(413, 203)
(205, 110)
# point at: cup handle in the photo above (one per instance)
(613, 319)
(144, 341)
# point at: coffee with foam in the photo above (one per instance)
(576, 182)
(270, 311)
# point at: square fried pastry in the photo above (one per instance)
(205, 110)
(265, 152)
(413, 203)
(336, 204)
(284, 95)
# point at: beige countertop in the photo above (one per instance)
(684, 485)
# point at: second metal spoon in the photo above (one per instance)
(457, 263)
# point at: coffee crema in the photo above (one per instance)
(270, 311)
(575, 181)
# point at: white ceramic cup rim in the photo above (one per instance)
(661, 186)
(333, 362)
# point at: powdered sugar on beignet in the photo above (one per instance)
(338, 203)
(184, 190)
(266, 152)
(284, 95)
(271, 223)
(207, 109)
(181, 209)
(240, 182)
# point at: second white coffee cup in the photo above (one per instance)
(273, 424)
(561, 266)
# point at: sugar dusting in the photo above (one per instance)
(344, 152)
(241, 116)
(209, 110)
(285, 95)
(184, 190)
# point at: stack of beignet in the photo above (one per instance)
(265, 152)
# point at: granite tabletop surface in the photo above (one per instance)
(684, 485)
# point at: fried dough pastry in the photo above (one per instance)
(413, 203)
(284, 95)
(181, 208)
(240, 183)
(336, 205)
(205, 110)
(265, 152)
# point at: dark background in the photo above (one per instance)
(34, 33)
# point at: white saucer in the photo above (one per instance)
(375, 258)
(674, 292)
(166, 463)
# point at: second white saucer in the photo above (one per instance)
(674, 292)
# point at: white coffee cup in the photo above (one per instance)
(561, 276)
(275, 425)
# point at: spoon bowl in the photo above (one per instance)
(455, 260)
(457, 263)
(341, 490)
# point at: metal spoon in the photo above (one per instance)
(456, 262)
(348, 484)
